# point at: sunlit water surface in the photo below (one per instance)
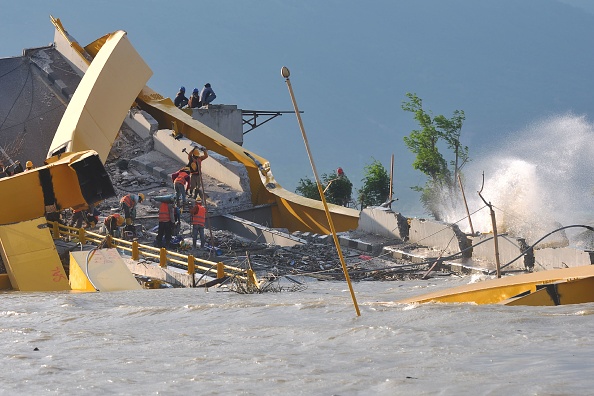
(189, 341)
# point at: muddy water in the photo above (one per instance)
(175, 341)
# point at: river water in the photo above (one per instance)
(193, 341)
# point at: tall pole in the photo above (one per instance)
(494, 225)
(391, 180)
(285, 73)
(465, 204)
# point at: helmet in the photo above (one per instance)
(182, 88)
(195, 90)
(198, 200)
(141, 197)
(120, 221)
(29, 165)
(207, 85)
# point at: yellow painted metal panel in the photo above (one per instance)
(21, 195)
(107, 270)
(102, 99)
(30, 257)
(77, 278)
(21, 198)
(496, 290)
(576, 291)
(539, 298)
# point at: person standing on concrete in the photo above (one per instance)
(198, 219)
(128, 206)
(181, 183)
(166, 219)
(112, 224)
(207, 95)
(195, 159)
(180, 99)
(194, 101)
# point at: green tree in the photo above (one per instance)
(424, 143)
(376, 185)
(338, 189)
(308, 188)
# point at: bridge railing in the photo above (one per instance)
(165, 257)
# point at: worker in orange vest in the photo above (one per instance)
(181, 184)
(198, 219)
(128, 205)
(166, 220)
(112, 224)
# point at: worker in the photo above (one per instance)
(78, 215)
(166, 219)
(28, 166)
(194, 101)
(181, 183)
(180, 99)
(198, 219)
(195, 159)
(207, 95)
(92, 216)
(112, 224)
(128, 206)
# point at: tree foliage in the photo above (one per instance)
(376, 185)
(308, 188)
(338, 188)
(425, 142)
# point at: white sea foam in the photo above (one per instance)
(537, 181)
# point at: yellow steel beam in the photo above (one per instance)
(497, 290)
(102, 99)
(292, 211)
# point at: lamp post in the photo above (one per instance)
(285, 73)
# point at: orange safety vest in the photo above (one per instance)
(128, 201)
(181, 178)
(111, 216)
(164, 215)
(198, 215)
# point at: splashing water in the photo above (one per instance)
(539, 180)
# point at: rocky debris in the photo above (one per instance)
(313, 259)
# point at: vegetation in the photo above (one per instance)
(425, 142)
(338, 189)
(376, 185)
(308, 188)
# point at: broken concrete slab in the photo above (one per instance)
(218, 167)
(563, 257)
(509, 249)
(383, 222)
(439, 235)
